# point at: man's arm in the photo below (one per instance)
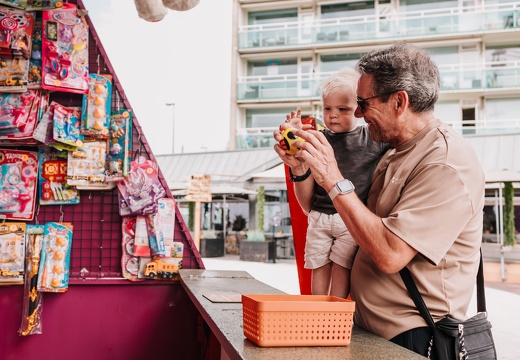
(388, 251)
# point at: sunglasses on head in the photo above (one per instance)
(363, 103)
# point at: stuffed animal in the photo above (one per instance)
(150, 10)
(180, 5)
(156, 10)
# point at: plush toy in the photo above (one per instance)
(180, 5)
(156, 10)
(150, 10)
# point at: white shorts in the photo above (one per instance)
(328, 239)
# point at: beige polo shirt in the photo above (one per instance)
(430, 193)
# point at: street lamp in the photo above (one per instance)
(173, 126)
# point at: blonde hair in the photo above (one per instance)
(345, 79)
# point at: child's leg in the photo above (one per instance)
(340, 281)
(320, 280)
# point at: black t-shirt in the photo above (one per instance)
(357, 156)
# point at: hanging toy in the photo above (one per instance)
(150, 10)
(180, 5)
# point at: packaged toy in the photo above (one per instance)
(15, 47)
(55, 258)
(32, 299)
(53, 186)
(86, 165)
(96, 106)
(12, 252)
(64, 50)
(120, 145)
(18, 176)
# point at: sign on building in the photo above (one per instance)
(199, 188)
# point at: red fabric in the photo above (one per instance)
(299, 229)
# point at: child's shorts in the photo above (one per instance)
(328, 239)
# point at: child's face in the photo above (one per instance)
(338, 111)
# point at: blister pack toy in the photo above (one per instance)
(31, 5)
(16, 29)
(32, 299)
(53, 187)
(18, 176)
(19, 114)
(34, 75)
(96, 106)
(120, 145)
(129, 261)
(64, 50)
(66, 125)
(86, 166)
(141, 189)
(12, 252)
(55, 258)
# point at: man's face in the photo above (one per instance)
(377, 115)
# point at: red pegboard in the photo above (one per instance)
(96, 245)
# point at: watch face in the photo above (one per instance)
(345, 186)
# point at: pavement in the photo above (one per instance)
(502, 282)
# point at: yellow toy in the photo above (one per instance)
(288, 139)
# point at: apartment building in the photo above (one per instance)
(283, 50)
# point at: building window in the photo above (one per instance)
(332, 63)
(359, 8)
(273, 17)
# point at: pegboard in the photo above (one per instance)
(96, 245)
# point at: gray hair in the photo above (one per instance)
(403, 67)
(345, 79)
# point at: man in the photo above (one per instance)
(425, 207)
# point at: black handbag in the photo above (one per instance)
(455, 339)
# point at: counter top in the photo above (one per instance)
(225, 321)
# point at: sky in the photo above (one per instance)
(183, 59)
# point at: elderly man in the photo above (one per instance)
(424, 209)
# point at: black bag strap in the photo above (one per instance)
(441, 346)
(419, 302)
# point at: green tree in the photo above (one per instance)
(191, 215)
(509, 214)
(260, 204)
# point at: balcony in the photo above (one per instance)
(503, 75)
(250, 138)
(424, 24)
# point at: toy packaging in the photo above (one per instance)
(32, 299)
(96, 106)
(18, 176)
(141, 239)
(64, 50)
(55, 258)
(19, 114)
(53, 186)
(33, 4)
(34, 76)
(66, 125)
(129, 262)
(120, 145)
(164, 225)
(12, 253)
(86, 166)
(140, 191)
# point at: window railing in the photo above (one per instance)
(427, 23)
(454, 78)
(249, 138)
(486, 126)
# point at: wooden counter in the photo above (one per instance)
(225, 321)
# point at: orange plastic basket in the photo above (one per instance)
(297, 320)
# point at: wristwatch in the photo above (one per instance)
(344, 186)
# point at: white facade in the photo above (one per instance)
(283, 50)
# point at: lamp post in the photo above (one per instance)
(173, 125)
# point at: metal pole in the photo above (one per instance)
(173, 126)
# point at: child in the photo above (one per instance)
(330, 249)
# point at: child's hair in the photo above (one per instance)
(344, 79)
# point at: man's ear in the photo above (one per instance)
(401, 100)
